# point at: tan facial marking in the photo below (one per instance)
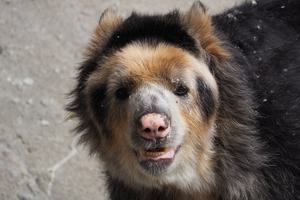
(143, 64)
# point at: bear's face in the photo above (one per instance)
(155, 107)
(146, 100)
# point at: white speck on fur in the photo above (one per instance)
(231, 16)
(254, 2)
(258, 27)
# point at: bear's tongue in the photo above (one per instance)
(156, 154)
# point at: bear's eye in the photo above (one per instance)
(181, 90)
(122, 93)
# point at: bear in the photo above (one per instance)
(186, 105)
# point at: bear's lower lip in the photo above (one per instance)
(155, 161)
(156, 154)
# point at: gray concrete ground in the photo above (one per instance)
(41, 43)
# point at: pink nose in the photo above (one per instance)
(154, 126)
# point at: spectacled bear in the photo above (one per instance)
(186, 105)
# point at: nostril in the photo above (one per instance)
(147, 130)
(161, 128)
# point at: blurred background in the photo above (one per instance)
(41, 44)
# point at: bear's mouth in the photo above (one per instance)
(156, 154)
(156, 160)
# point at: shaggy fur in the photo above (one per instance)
(239, 123)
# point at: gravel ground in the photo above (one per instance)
(41, 43)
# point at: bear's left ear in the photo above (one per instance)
(109, 21)
(199, 25)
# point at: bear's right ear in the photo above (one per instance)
(109, 21)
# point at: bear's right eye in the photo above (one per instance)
(122, 93)
(181, 90)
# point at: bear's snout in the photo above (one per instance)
(154, 126)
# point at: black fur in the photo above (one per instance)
(98, 102)
(268, 36)
(207, 101)
(152, 29)
(120, 191)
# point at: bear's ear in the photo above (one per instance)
(109, 21)
(199, 25)
(198, 7)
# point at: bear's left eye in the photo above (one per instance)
(181, 90)
(122, 93)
